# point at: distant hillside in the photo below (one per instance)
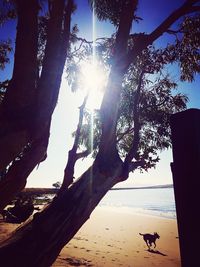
(145, 187)
(40, 191)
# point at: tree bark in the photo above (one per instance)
(108, 111)
(15, 179)
(16, 109)
(73, 156)
(38, 242)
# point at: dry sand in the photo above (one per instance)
(111, 238)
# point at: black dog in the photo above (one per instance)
(149, 239)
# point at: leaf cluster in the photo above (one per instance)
(109, 9)
(156, 104)
(3, 89)
(5, 49)
(7, 11)
(186, 48)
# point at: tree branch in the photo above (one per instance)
(54, 60)
(145, 40)
(73, 156)
(137, 126)
(108, 111)
(186, 8)
(128, 131)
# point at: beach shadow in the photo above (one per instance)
(156, 252)
(78, 262)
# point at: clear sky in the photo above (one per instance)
(65, 117)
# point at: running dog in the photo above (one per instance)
(149, 239)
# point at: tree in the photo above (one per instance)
(26, 110)
(56, 185)
(123, 136)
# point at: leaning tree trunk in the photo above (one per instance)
(16, 177)
(38, 243)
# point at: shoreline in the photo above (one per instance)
(139, 211)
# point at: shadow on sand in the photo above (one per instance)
(156, 252)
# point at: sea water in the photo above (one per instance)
(153, 201)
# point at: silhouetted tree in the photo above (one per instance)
(28, 104)
(57, 185)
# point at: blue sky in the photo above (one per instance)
(65, 117)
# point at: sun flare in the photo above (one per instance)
(93, 81)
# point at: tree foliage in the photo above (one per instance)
(5, 49)
(157, 100)
(110, 10)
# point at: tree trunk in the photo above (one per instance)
(16, 108)
(15, 179)
(108, 111)
(39, 241)
(30, 124)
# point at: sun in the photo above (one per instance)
(93, 81)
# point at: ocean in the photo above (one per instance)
(153, 201)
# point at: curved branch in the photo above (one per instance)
(145, 40)
(186, 8)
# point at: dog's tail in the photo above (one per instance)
(141, 234)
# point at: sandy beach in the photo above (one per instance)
(111, 238)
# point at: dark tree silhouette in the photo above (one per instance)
(30, 99)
